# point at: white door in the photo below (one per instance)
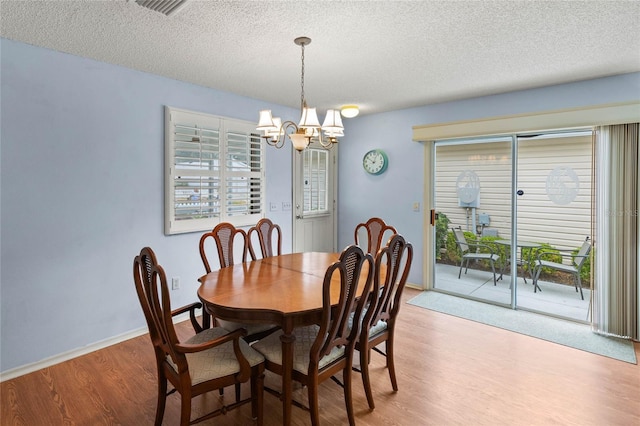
(314, 199)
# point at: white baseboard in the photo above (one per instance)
(414, 286)
(66, 356)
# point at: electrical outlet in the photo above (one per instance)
(175, 283)
(286, 205)
(273, 207)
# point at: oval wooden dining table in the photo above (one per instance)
(285, 290)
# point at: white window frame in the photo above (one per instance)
(315, 169)
(231, 134)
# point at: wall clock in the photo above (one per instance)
(375, 162)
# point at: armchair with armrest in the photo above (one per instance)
(474, 251)
(211, 359)
(574, 264)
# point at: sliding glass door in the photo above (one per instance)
(506, 203)
(473, 186)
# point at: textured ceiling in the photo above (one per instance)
(381, 55)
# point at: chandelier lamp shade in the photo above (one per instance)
(308, 129)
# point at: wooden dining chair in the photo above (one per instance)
(322, 350)
(211, 359)
(268, 236)
(225, 236)
(374, 231)
(392, 265)
(227, 240)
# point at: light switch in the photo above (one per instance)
(416, 207)
(273, 207)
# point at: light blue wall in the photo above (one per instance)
(82, 193)
(392, 194)
(82, 186)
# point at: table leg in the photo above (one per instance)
(504, 261)
(206, 318)
(287, 338)
(523, 264)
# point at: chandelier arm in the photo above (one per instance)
(282, 132)
(278, 143)
(328, 143)
(289, 125)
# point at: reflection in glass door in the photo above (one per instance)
(472, 197)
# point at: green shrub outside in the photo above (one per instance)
(585, 272)
(442, 227)
(452, 255)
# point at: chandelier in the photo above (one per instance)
(308, 129)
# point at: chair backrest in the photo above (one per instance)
(335, 330)
(224, 235)
(153, 294)
(583, 253)
(376, 230)
(391, 270)
(458, 233)
(268, 235)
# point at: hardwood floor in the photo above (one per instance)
(450, 371)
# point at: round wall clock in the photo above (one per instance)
(375, 162)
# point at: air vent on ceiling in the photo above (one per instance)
(168, 7)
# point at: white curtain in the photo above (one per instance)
(616, 294)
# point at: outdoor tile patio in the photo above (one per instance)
(554, 299)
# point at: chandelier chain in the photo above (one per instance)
(302, 79)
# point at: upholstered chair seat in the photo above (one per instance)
(201, 367)
(271, 348)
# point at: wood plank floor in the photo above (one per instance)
(450, 372)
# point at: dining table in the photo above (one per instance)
(285, 290)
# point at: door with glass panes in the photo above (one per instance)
(314, 199)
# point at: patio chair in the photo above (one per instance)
(474, 251)
(574, 267)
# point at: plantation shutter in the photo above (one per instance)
(243, 174)
(214, 172)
